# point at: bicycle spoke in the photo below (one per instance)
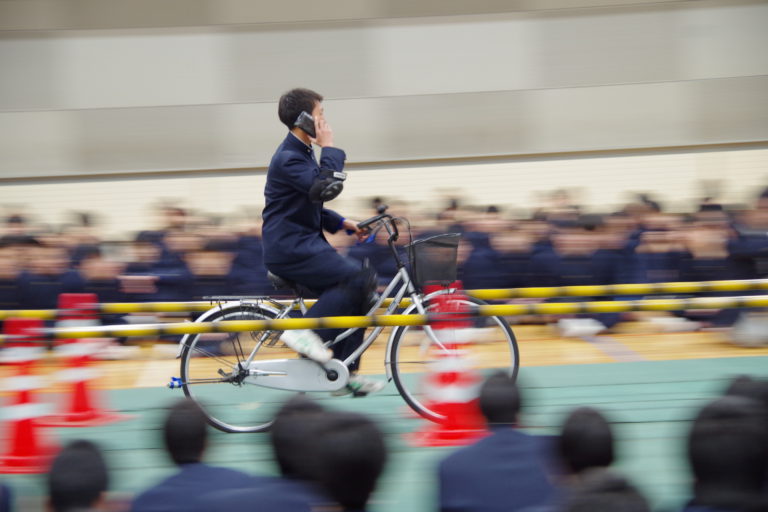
(238, 348)
(214, 357)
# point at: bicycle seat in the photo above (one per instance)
(282, 284)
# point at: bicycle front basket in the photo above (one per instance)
(433, 259)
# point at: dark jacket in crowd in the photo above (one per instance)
(277, 494)
(42, 291)
(182, 491)
(502, 472)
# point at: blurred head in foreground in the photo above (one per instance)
(500, 400)
(78, 478)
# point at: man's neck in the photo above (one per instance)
(302, 136)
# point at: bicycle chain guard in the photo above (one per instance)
(298, 374)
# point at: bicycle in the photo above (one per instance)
(240, 379)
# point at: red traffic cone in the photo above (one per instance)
(26, 451)
(82, 410)
(452, 386)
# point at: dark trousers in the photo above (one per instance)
(342, 288)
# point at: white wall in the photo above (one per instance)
(599, 75)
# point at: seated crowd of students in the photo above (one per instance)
(188, 258)
(332, 460)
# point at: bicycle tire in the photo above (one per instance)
(407, 384)
(229, 406)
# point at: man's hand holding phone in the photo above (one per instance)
(316, 128)
(324, 133)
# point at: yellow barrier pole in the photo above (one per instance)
(620, 289)
(484, 294)
(346, 322)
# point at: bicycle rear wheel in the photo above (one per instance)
(212, 373)
(491, 347)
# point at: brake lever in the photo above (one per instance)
(371, 235)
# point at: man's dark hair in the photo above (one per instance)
(291, 432)
(293, 102)
(728, 454)
(78, 477)
(605, 491)
(185, 432)
(500, 400)
(585, 441)
(349, 454)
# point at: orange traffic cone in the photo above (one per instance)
(26, 452)
(451, 386)
(82, 410)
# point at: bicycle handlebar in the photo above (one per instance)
(394, 233)
(382, 214)
(366, 223)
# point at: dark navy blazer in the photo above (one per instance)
(293, 224)
(502, 472)
(182, 491)
(275, 495)
(5, 499)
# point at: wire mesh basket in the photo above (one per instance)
(433, 259)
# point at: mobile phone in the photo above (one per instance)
(307, 123)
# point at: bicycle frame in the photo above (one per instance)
(401, 281)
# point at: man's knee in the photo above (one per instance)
(362, 284)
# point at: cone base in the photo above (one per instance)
(27, 464)
(83, 419)
(439, 436)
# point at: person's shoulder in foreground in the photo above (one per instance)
(503, 471)
(185, 434)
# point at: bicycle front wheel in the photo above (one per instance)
(213, 375)
(413, 355)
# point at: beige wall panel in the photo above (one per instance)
(248, 134)
(130, 140)
(334, 59)
(108, 69)
(29, 71)
(95, 14)
(639, 115)
(725, 39)
(576, 48)
(450, 55)
(34, 143)
(729, 109)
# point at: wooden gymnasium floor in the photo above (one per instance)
(648, 383)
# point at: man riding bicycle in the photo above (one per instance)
(295, 248)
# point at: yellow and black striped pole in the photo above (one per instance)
(489, 294)
(620, 289)
(346, 322)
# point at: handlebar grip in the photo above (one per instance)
(368, 222)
